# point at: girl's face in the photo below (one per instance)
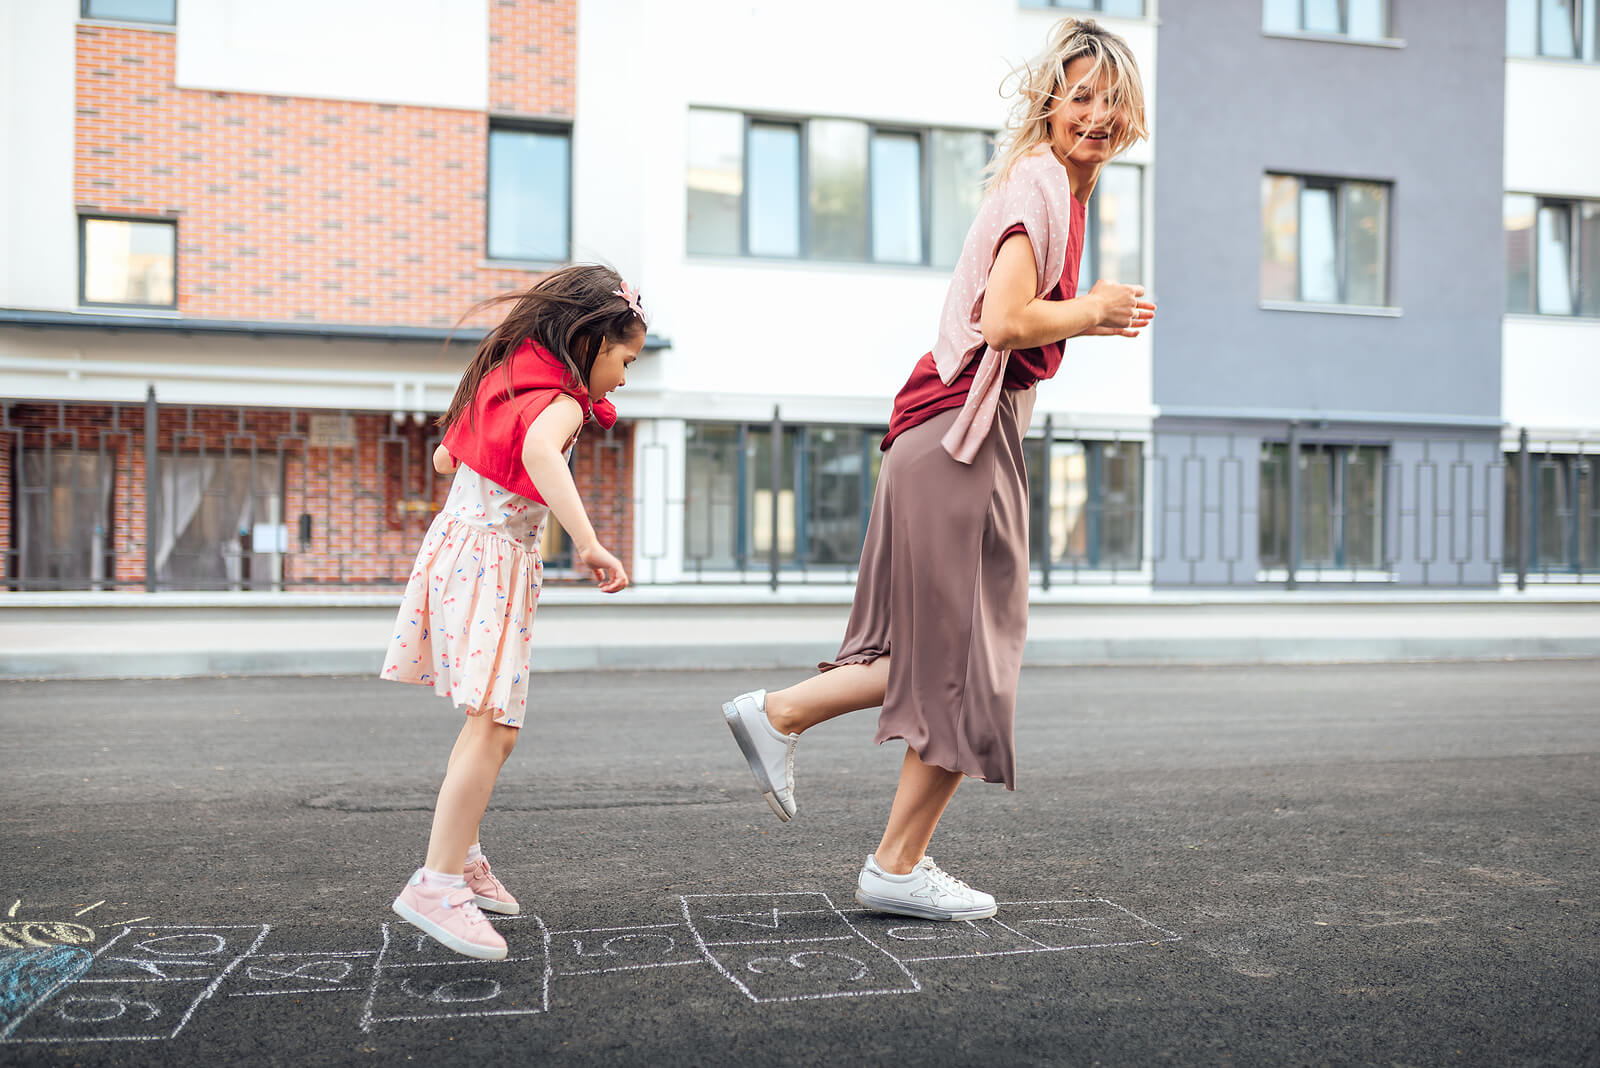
(1082, 125)
(610, 370)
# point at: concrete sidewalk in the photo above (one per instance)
(112, 635)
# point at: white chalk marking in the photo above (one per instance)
(631, 967)
(91, 908)
(12, 912)
(276, 993)
(603, 930)
(5, 1035)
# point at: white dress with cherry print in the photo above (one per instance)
(465, 624)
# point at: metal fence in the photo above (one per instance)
(160, 496)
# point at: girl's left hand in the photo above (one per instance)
(606, 569)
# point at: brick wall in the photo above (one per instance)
(291, 208)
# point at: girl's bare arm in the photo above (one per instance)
(1014, 318)
(443, 462)
(542, 449)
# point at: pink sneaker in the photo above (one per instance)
(450, 918)
(489, 893)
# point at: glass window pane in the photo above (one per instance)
(62, 503)
(1589, 258)
(1366, 22)
(1272, 545)
(759, 479)
(957, 179)
(1069, 503)
(834, 463)
(1522, 27)
(1117, 213)
(1280, 16)
(1087, 269)
(1318, 507)
(1366, 242)
(1556, 29)
(1519, 212)
(1553, 513)
(1280, 237)
(1121, 493)
(529, 195)
(129, 262)
(1128, 8)
(1555, 260)
(1319, 254)
(208, 508)
(1363, 507)
(715, 181)
(773, 197)
(1322, 16)
(711, 496)
(838, 175)
(897, 198)
(133, 10)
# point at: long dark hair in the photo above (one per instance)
(570, 313)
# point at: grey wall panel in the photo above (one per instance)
(1235, 104)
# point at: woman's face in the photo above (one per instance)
(1083, 127)
(610, 370)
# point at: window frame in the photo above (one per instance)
(86, 14)
(1097, 6)
(1338, 452)
(533, 126)
(1336, 185)
(84, 218)
(1586, 38)
(1343, 35)
(1573, 207)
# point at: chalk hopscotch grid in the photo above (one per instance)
(644, 930)
(211, 988)
(378, 966)
(706, 949)
(1045, 947)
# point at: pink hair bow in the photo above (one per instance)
(631, 295)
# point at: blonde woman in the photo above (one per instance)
(941, 605)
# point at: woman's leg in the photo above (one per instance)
(480, 751)
(828, 694)
(919, 801)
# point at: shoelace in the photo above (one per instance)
(945, 881)
(468, 909)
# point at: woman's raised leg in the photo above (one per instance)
(828, 694)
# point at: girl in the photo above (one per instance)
(464, 624)
(941, 605)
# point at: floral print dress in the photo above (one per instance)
(465, 623)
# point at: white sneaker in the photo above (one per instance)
(770, 754)
(926, 891)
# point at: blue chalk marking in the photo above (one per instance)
(29, 977)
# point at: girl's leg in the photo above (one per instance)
(480, 751)
(919, 801)
(828, 694)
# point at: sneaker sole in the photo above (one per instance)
(747, 746)
(922, 912)
(445, 938)
(501, 908)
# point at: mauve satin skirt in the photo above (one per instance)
(943, 592)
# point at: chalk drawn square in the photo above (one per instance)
(1092, 923)
(595, 951)
(419, 987)
(165, 954)
(799, 947)
(112, 1012)
(266, 974)
(911, 940)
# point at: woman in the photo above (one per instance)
(940, 615)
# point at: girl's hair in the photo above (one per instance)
(570, 313)
(1042, 83)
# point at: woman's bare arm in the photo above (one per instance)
(1014, 318)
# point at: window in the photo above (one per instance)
(208, 507)
(826, 476)
(530, 193)
(1130, 8)
(1341, 506)
(1565, 535)
(1113, 245)
(1359, 20)
(164, 11)
(1088, 507)
(1555, 29)
(1324, 241)
(1552, 255)
(62, 501)
(128, 262)
(830, 189)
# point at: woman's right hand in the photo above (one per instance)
(1120, 311)
(606, 569)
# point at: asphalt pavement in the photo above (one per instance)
(1390, 864)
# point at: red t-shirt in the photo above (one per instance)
(925, 395)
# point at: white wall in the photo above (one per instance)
(432, 53)
(38, 222)
(1550, 139)
(1550, 373)
(762, 330)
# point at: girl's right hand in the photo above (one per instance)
(606, 569)
(1121, 312)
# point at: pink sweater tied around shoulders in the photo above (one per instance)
(1039, 196)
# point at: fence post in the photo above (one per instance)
(152, 486)
(1044, 474)
(777, 471)
(1524, 510)
(1293, 460)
